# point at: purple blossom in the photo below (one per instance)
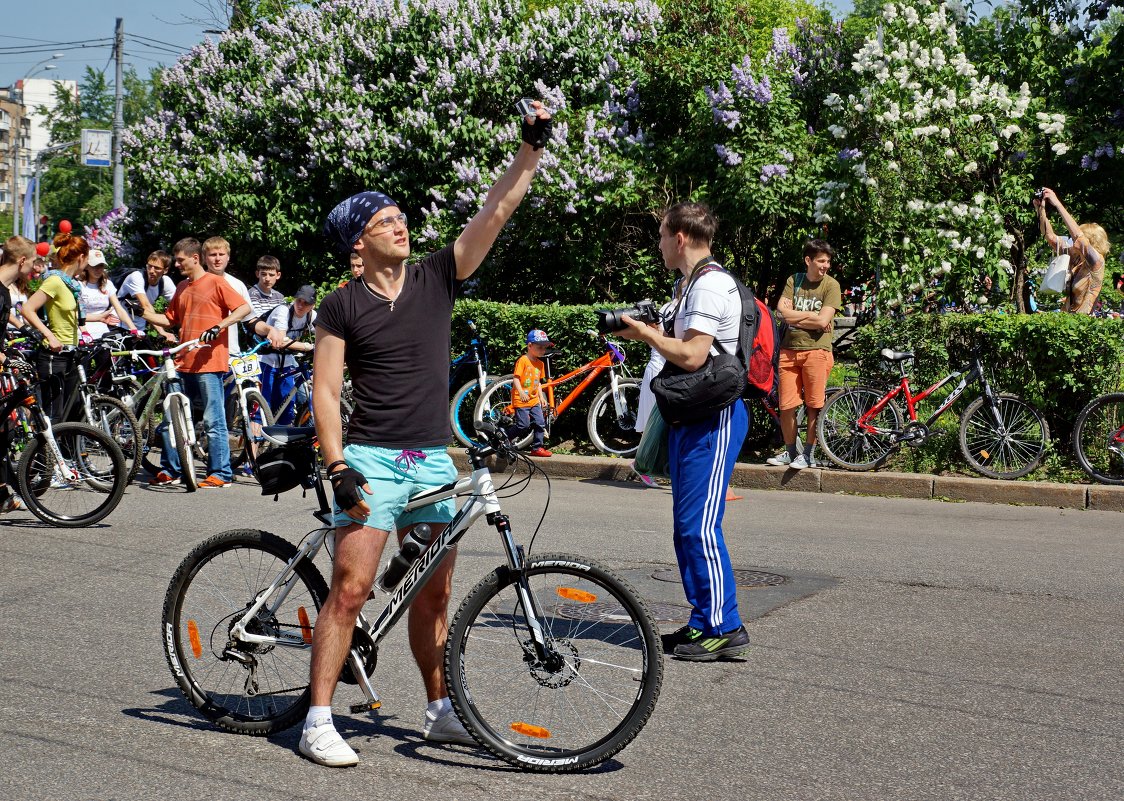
(1089, 163)
(848, 153)
(772, 171)
(1105, 150)
(729, 157)
(744, 84)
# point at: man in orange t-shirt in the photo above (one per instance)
(526, 394)
(203, 308)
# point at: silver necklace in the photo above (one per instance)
(383, 298)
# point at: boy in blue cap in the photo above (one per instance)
(526, 391)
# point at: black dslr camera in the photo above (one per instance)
(609, 320)
(1040, 194)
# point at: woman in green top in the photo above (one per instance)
(59, 295)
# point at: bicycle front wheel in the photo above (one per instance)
(117, 420)
(1098, 439)
(461, 410)
(178, 412)
(583, 700)
(613, 433)
(847, 443)
(248, 688)
(496, 408)
(81, 488)
(244, 433)
(1006, 442)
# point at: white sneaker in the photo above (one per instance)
(801, 461)
(782, 459)
(324, 746)
(445, 728)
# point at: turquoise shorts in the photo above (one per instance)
(393, 476)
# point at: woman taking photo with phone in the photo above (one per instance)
(1087, 246)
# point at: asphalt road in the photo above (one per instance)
(915, 650)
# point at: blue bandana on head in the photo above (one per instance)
(346, 221)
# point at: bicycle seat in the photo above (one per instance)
(290, 434)
(896, 355)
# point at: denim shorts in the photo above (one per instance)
(393, 476)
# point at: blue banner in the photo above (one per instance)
(29, 220)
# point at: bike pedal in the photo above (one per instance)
(366, 706)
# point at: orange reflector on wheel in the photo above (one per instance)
(985, 454)
(531, 730)
(193, 636)
(581, 596)
(306, 626)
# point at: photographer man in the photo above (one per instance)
(708, 313)
(391, 328)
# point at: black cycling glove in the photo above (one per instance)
(537, 135)
(211, 334)
(346, 485)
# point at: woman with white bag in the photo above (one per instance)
(1086, 246)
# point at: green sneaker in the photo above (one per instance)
(708, 649)
(681, 636)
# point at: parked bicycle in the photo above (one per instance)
(611, 421)
(1098, 438)
(69, 474)
(1001, 435)
(553, 662)
(463, 405)
(166, 387)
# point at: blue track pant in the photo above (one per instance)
(702, 459)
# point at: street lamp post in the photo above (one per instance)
(41, 66)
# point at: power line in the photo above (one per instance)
(158, 48)
(157, 42)
(6, 50)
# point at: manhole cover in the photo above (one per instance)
(742, 578)
(614, 613)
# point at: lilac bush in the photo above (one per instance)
(267, 128)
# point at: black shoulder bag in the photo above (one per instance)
(691, 397)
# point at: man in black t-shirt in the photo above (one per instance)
(391, 328)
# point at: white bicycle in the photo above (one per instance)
(552, 662)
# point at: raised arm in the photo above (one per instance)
(503, 198)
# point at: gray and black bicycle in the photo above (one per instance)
(553, 662)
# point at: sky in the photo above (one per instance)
(33, 30)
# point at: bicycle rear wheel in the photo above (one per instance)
(461, 410)
(1098, 439)
(115, 418)
(178, 414)
(1008, 447)
(495, 407)
(611, 433)
(588, 698)
(242, 687)
(846, 443)
(81, 489)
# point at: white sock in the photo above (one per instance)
(317, 716)
(439, 707)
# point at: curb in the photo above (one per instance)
(1097, 497)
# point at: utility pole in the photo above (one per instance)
(119, 116)
(14, 145)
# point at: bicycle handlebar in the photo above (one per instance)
(192, 343)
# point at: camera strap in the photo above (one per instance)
(704, 266)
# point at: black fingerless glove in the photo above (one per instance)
(346, 485)
(538, 135)
(211, 334)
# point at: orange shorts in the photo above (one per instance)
(803, 377)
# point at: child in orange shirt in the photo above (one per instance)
(526, 396)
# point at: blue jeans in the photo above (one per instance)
(529, 418)
(275, 387)
(205, 387)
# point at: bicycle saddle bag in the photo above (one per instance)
(285, 467)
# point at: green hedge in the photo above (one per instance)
(504, 327)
